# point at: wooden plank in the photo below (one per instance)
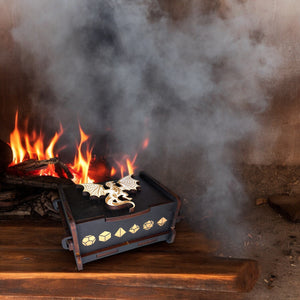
(132, 293)
(32, 263)
(135, 269)
(34, 237)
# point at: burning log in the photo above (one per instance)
(35, 192)
(32, 165)
(61, 169)
(19, 186)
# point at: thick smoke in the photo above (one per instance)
(195, 85)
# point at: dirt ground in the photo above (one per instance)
(272, 240)
(275, 243)
(266, 236)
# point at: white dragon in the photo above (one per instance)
(114, 191)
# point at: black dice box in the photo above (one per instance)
(94, 231)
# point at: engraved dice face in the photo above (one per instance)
(134, 228)
(120, 232)
(148, 225)
(162, 221)
(104, 236)
(88, 240)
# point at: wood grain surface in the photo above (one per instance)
(33, 264)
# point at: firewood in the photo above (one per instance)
(48, 200)
(62, 170)
(46, 182)
(32, 165)
(21, 198)
(23, 210)
(6, 156)
(39, 209)
(8, 205)
(8, 195)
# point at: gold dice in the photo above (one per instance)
(120, 232)
(88, 240)
(104, 236)
(148, 225)
(134, 228)
(162, 221)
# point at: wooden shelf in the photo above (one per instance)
(33, 264)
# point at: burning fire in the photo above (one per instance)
(82, 162)
(27, 146)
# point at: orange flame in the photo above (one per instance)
(113, 172)
(130, 167)
(82, 162)
(127, 165)
(34, 147)
(31, 146)
(16, 144)
(49, 150)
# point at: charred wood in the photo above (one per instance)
(8, 195)
(62, 170)
(43, 205)
(18, 188)
(17, 198)
(6, 156)
(20, 211)
(38, 203)
(45, 182)
(30, 166)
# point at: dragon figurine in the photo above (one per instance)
(116, 193)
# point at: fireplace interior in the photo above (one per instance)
(218, 124)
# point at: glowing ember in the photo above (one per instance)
(31, 146)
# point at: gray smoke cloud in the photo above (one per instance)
(126, 69)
